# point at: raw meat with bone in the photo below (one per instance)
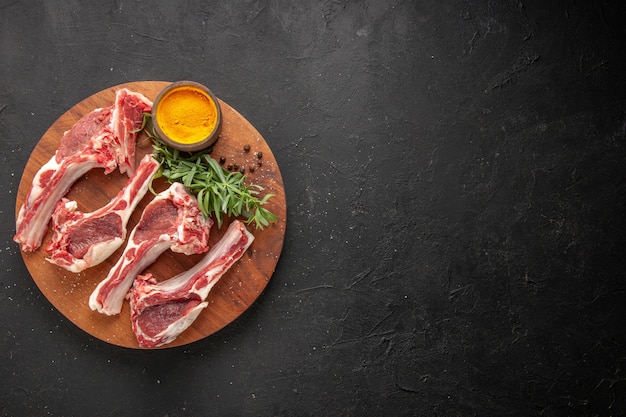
(160, 312)
(103, 138)
(80, 240)
(172, 220)
(126, 119)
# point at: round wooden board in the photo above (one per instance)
(237, 289)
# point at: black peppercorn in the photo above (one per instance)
(246, 148)
(251, 168)
(242, 169)
(222, 160)
(259, 155)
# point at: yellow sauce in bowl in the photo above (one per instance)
(187, 116)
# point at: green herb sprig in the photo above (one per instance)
(219, 191)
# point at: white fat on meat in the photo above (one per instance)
(104, 138)
(80, 241)
(172, 220)
(126, 119)
(160, 312)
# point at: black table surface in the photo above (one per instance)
(456, 192)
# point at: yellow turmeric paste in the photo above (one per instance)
(186, 115)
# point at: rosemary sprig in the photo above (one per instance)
(218, 190)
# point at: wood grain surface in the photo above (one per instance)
(232, 295)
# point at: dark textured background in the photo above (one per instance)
(455, 186)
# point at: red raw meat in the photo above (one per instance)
(126, 119)
(103, 138)
(162, 311)
(172, 220)
(80, 240)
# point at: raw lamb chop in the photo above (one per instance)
(172, 220)
(80, 240)
(127, 117)
(159, 312)
(103, 138)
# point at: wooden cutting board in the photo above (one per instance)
(232, 295)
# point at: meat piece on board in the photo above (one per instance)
(172, 220)
(103, 138)
(80, 241)
(160, 312)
